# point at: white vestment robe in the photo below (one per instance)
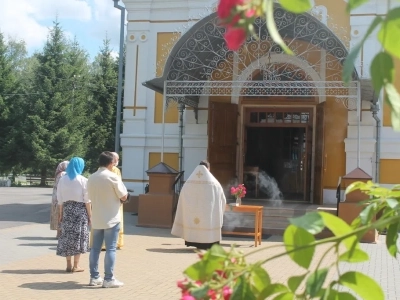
(200, 210)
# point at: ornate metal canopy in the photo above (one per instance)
(201, 64)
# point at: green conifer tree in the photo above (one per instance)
(54, 128)
(102, 104)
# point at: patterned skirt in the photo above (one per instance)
(74, 237)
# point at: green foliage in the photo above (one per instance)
(348, 67)
(272, 29)
(299, 6)
(12, 56)
(295, 238)
(56, 119)
(383, 67)
(362, 284)
(102, 105)
(219, 269)
(390, 31)
(315, 282)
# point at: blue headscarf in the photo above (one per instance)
(75, 167)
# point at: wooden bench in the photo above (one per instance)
(258, 214)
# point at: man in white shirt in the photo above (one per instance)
(106, 192)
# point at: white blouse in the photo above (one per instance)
(72, 190)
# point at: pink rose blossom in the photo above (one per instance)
(187, 296)
(250, 13)
(227, 292)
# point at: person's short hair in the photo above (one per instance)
(106, 158)
(205, 163)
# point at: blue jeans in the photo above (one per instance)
(110, 237)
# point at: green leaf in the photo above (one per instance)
(353, 4)
(358, 185)
(367, 213)
(260, 278)
(391, 238)
(195, 271)
(348, 67)
(356, 223)
(363, 285)
(393, 99)
(315, 282)
(242, 290)
(389, 33)
(200, 292)
(295, 281)
(354, 256)
(392, 203)
(311, 222)
(335, 295)
(339, 228)
(212, 260)
(272, 290)
(382, 70)
(285, 296)
(273, 30)
(295, 237)
(297, 7)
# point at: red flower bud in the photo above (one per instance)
(225, 7)
(226, 292)
(212, 294)
(182, 284)
(250, 13)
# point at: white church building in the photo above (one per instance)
(258, 112)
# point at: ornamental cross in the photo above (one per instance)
(199, 174)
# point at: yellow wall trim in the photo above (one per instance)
(171, 159)
(163, 46)
(389, 171)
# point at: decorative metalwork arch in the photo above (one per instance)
(201, 64)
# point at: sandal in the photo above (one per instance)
(68, 270)
(77, 269)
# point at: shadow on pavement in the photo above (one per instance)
(40, 244)
(163, 250)
(34, 271)
(35, 238)
(18, 212)
(51, 286)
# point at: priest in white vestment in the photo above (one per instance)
(200, 210)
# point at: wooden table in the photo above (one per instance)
(258, 214)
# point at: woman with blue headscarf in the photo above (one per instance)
(75, 214)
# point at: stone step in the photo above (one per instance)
(275, 220)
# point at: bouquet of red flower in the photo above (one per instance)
(239, 191)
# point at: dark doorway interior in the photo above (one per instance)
(280, 152)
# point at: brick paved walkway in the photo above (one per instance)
(149, 265)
